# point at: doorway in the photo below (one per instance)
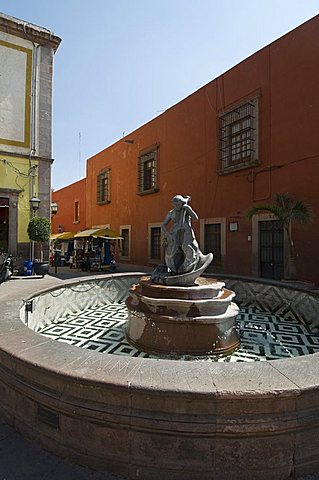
(212, 243)
(4, 224)
(271, 249)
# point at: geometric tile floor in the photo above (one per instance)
(263, 336)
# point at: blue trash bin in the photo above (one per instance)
(28, 267)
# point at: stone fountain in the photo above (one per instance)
(175, 311)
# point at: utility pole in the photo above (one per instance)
(80, 155)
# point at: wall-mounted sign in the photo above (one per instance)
(233, 226)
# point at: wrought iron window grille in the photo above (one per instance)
(238, 136)
(148, 172)
(103, 187)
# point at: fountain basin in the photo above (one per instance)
(154, 419)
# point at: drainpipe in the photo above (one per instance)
(33, 109)
(32, 168)
(33, 115)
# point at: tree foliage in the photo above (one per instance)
(287, 210)
(39, 229)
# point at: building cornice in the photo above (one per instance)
(25, 155)
(6, 190)
(27, 30)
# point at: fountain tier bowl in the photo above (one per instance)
(197, 320)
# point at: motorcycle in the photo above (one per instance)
(6, 266)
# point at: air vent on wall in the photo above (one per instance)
(48, 416)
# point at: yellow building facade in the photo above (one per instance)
(26, 61)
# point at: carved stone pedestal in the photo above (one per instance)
(197, 320)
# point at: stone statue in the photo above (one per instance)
(182, 251)
(184, 260)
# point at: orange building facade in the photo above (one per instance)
(237, 141)
(71, 212)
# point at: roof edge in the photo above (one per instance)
(29, 31)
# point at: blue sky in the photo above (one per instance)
(122, 62)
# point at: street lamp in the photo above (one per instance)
(35, 203)
(54, 208)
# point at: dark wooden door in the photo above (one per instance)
(4, 224)
(213, 241)
(271, 249)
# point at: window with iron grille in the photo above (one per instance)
(103, 187)
(76, 212)
(148, 171)
(125, 233)
(213, 241)
(156, 249)
(238, 137)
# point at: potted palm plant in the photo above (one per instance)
(39, 232)
(287, 210)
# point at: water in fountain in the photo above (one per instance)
(102, 329)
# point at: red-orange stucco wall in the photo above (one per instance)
(66, 198)
(284, 76)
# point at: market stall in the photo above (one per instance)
(96, 249)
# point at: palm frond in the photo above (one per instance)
(286, 209)
(269, 208)
(302, 213)
(284, 201)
